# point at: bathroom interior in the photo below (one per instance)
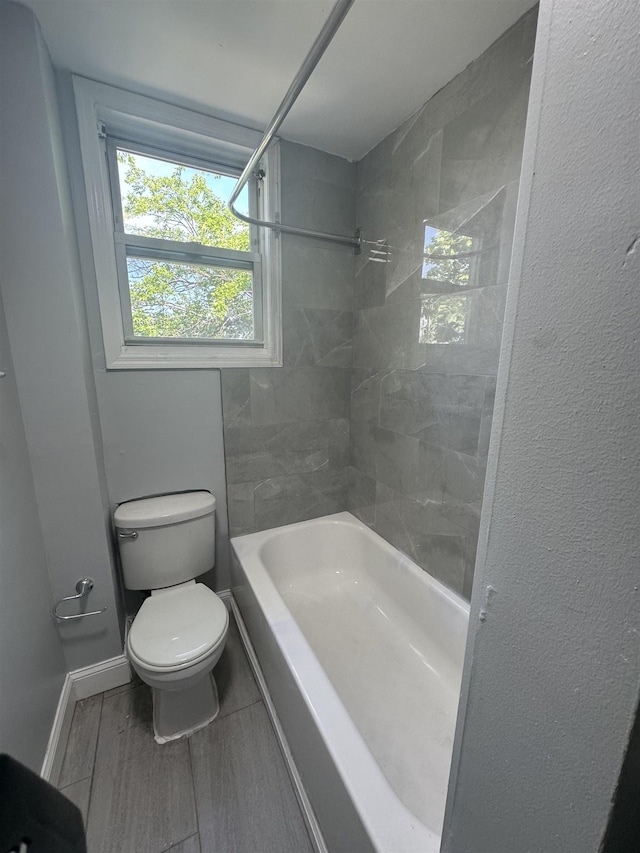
(385, 550)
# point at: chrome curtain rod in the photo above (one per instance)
(319, 46)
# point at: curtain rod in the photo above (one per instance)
(326, 34)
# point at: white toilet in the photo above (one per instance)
(179, 632)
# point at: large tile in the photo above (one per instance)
(318, 205)
(330, 393)
(245, 800)
(371, 278)
(361, 497)
(236, 402)
(142, 799)
(300, 161)
(272, 450)
(279, 396)
(455, 428)
(462, 359)
(293, 394)
(126, 727)
(236, 685)
(285, 500)
(363, 448)
(388, 337)
(81, 746)
(316, 336)
(79, 794)
(463, 476)
(398, 461)
(438, 409)
(419, 530)
(240, 508)
(317, 276)
(365, 393)
(482, 147)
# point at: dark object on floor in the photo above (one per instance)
(34, 816)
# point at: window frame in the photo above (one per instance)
(105, 113)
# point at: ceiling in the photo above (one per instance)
(236, 58)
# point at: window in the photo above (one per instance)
(181, 281)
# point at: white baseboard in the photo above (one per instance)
(52, 764)
(100, 677)
(313, 827)
(79, 684)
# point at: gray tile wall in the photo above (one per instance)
(373, 411)
(427, 337)
(286, 430)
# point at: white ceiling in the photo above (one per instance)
(236, 58)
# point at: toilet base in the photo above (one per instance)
(178, 713)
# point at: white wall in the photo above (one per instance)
(31, 661)
(42, 293)
(163, 433)
(553, 664)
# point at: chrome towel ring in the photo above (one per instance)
(83, 588)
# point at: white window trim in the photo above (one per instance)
(193, 134)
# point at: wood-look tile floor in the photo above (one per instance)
(225, 789)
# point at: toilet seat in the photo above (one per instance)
(178, 627)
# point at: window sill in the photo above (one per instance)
(190, 358)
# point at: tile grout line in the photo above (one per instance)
(195, 799)
(66, 749)
(173, 846)
(93, 766)
(237, 710)
(77, 782)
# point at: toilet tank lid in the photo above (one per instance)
(166, 509)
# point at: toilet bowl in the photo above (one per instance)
(179, 633)
(173, 644)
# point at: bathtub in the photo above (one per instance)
(362, 654)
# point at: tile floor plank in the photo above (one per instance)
(236, 685)
(79, 794)
(142, 798)
(81, 746)
(244, 796)
(136, 681)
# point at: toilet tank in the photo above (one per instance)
(166, 540)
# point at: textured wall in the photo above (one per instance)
(32, 665)
(427, 338)
(286, 430)
(553, 664)
(44, 306)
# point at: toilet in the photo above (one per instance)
(180, 631)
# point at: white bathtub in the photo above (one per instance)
(362, 652)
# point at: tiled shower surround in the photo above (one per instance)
(286, 429)
(385, 401)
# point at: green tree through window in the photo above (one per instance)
(172, 298)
